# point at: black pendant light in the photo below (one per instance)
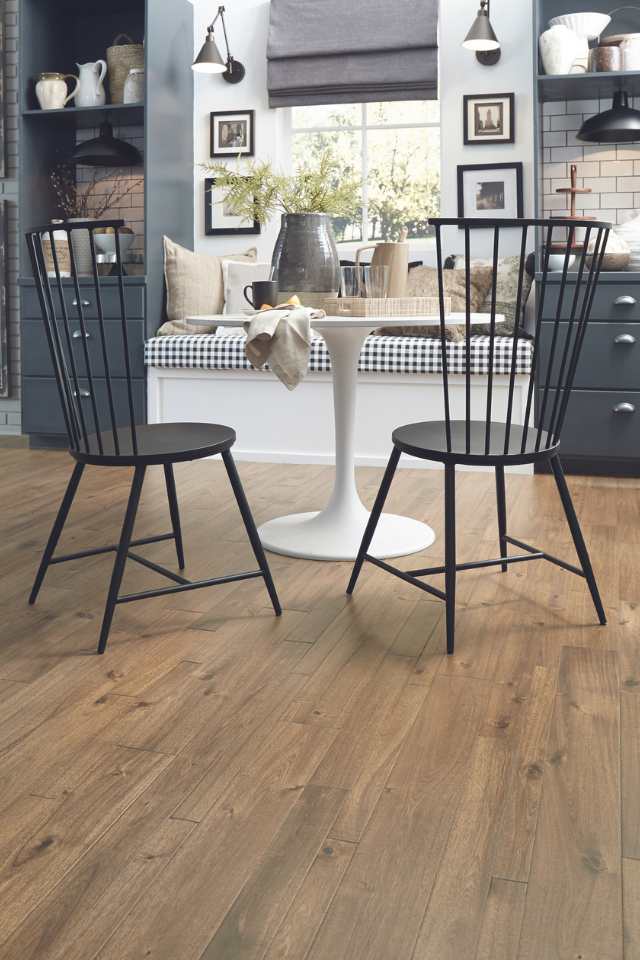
(106, 151)
(481, 37)
(620, 124)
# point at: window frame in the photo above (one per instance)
(364, 127)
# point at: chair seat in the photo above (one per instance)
(428, 440)
(158, 443)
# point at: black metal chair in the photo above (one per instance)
(503, 443)
(101, 419)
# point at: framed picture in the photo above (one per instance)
(490, 191)
(489, 118)
(233, 134)
(219, 220)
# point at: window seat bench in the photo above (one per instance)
(207, 378)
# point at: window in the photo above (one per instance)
(393, 147)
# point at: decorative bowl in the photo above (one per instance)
(588, 26)
(106, 243)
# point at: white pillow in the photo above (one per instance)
(236, 275)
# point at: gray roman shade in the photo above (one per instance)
(352, 51)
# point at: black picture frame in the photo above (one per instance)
(217, 119)
(503, 213)
(215, 227)
(499, 101)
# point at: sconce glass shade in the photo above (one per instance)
(620, 124)
(481, 35)
(209, 59)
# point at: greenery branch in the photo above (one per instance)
(258, 192)
(90, 200)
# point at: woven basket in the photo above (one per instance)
(385, 307)
(62, 254)
(123, 55)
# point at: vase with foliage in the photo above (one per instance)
(305, 257)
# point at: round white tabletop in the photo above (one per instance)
(335, 533)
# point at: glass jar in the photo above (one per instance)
(134, 86)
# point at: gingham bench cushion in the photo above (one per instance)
(379, 354)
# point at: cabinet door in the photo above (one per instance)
(42, 413)
(36, 357)
(601, 423)
(610, 357)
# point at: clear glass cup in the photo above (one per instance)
(365, 281)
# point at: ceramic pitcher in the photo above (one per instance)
(91, 91)
(395, 256)
(51, 90)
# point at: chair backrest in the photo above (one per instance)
(92, 426)
(565, 306)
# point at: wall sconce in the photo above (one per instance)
(482, 39)
(209, 59)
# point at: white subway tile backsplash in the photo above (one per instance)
(568, 154)
(617, 200)
(588, 168)
(616, 168)
(557, 139)
(571, 121)
(629, 183)
(553, 108)
(601, 184)
(587, 107)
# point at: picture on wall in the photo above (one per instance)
(2, 122)
(489, 118)
(233, 134)
(491, 191)
(4, 359)
(219, 219)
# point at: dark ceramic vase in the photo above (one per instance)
(305, 257)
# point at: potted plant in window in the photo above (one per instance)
(305, 257)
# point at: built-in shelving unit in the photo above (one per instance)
(588, 86)
(57, 36)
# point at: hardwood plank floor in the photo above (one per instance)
(328, 785)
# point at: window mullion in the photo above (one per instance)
(365, 175)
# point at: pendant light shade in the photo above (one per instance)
(481, 36)
(106, 151)
(209, 59)
(620, 124)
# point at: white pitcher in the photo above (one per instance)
(51, 90)
(91, 91)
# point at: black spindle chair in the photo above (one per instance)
(101, 420)
(500, 443)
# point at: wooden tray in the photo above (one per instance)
(385, 307)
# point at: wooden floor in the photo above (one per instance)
(223, 784)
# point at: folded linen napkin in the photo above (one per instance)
(282, 336)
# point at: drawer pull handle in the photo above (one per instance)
(624, 408)
(626, 339)
(87, 303)
(83, 394)
(625, 301)
(77, 335)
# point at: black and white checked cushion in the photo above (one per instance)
(379, 354)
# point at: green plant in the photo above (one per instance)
(257, 192)
(103, 192)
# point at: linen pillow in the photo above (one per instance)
(423, 282)
(506, 289)
(236, 275)
(194, 286)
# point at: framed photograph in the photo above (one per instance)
(489, 118)
(233, 134)
(491, 191)
(219, 220)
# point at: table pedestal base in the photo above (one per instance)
(312, 536)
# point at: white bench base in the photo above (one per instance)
(275, 425)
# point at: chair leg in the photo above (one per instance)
(175, 512)
(502, 514)
(450, 552)
(121, 556)
(578, 539)
(58, 526)
(252, 532)
(370, 529)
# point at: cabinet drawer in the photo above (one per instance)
(610, 357)
(593, 428)
(611, 301)
(36, 358)
(42, 413)
(133, 298)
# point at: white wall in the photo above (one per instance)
(460, 74)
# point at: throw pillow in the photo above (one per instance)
(423, 282)
(506, 289)
(194, 286)
(237, 275)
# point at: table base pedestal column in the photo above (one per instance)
(312, 536)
